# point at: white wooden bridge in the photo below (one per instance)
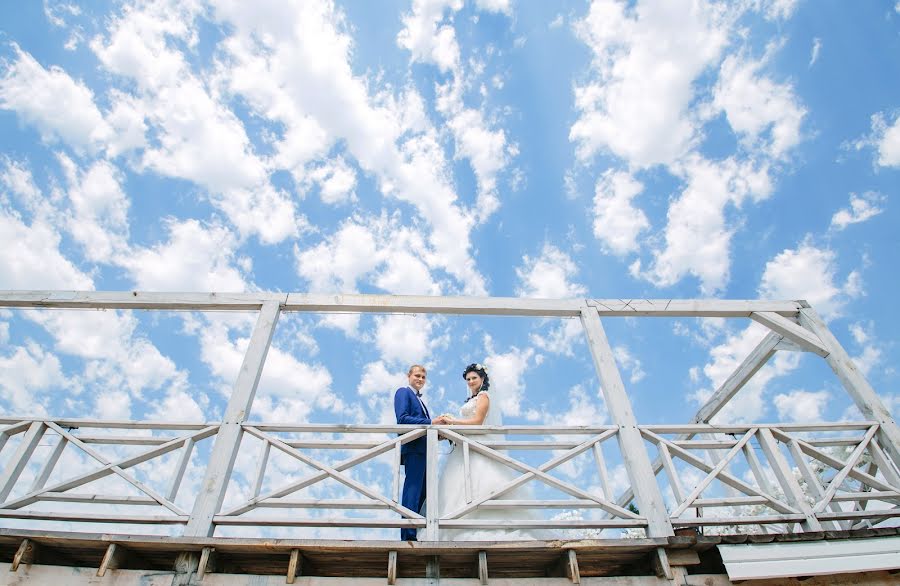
(831, 488)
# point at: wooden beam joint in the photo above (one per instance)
(392, 567)
(113, 559)
(482, 567)
(572, 572)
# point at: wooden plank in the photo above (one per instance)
(295, 564)
(683, 557)
(856, 385)
(125, 440)
(100, 499)
(113, 559)
(631, 444)
(180, 468)
(838, 480)
(19, 459)
(26, 554)
(15, 426)
(482, 567)
(572, 572)
(261, 467)
(659, 559)
(396, 487)
(467, 472)
(713, 474)
(362, 303)
(206, 562)
(392, 567)
(218, 469)
(792, 491)
(600, 462)
(432, 506)
(94, 518)
(791, 330)
(47, 469)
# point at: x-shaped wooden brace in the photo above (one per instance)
(327, 471)
(117, 467)
(845, 468)
(725, 477)
(530, 472)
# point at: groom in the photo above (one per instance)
(410, 409)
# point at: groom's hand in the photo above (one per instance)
(439, 420)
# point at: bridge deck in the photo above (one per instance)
(332, 558)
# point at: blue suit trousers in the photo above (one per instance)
(413, 489)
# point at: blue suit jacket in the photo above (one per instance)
(409, 412)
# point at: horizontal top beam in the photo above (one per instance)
(370, 303)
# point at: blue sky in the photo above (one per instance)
(658, 149)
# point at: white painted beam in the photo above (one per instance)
(791, 330)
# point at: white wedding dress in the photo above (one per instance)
(487, 476)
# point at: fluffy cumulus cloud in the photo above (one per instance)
(195, 258)
(30, 257)
(617, 223)
(640, 54)
(549, 276)
(801, 406)
(26, 377)
(808, 272)
(887, 138)
(292, 65)
(60, 107)
(862, 207)
(507, 371)
(697, 234)
(759, 110)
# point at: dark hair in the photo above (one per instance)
(481, 371)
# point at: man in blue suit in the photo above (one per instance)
(411, 410)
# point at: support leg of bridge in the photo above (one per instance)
(482, 567)
(24, 555)
(572, 572)
(207, 562)
(433, 567)
(295, 565)
(659, 559)
(392, 567)
(114, 558)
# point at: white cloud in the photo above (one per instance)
(335, 264)
(377, 380)
(871, 355)
(697, 237)
(887, 140)
(503, 6)
(814, 52)
(583, 410)
(778, 9)
(177, 405)
(806, 272)
(549, 275)
(425, 39)
(100, 218)
(755, 104)
(60, 107)
(646, 60)
(628, 362)
(617, 223)
(862, 207)
(507, 372)
(404, 339)
(195, 258)
(337, 181)
(292, 63)
(26, 375)
(801, 406)
(116, 405)
(559, 339)
(17, 178)
(30, 257)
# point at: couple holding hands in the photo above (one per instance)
(487, 475)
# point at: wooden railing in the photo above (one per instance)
(219, 476)
(768, 477)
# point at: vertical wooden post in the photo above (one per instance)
(631, 443)
(855, 383)
(228, 440)
(431, 488)
(20, 459)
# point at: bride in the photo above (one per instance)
(486, 475)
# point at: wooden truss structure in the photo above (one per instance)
(810, 478)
